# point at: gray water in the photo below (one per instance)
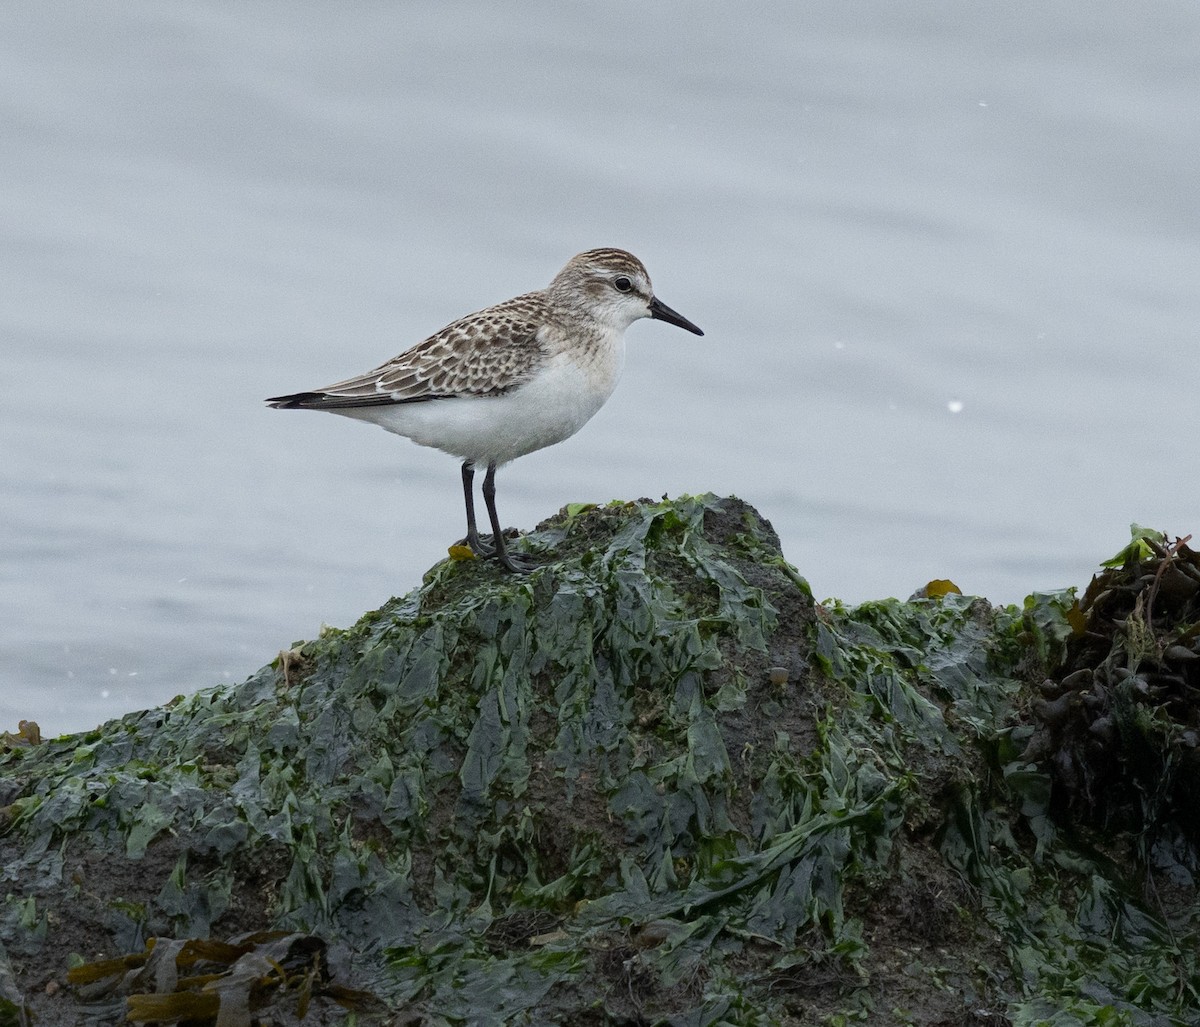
(945, 255)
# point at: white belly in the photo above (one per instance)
(551, 407)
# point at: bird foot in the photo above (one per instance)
(514, 563)
(479, 547)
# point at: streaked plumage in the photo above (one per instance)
(482, 354)
(509, 379)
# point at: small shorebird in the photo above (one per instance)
(508, 380)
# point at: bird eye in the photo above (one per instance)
(622, 284)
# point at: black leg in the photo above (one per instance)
(473, 539)
(515, 564)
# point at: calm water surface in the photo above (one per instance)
(945, 256)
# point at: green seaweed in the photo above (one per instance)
(650, 782)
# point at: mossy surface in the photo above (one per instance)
(652, 782)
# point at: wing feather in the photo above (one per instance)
(483, 354)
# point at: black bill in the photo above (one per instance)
(661, 312)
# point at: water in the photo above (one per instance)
(945, 256)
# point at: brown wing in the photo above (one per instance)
(482, 354)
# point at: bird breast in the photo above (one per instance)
(572, 383)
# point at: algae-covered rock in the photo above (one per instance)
(650, 782)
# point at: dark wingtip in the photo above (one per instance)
(295, 401)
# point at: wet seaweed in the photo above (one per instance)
(650, 782)
(1118, 724)
(206, 981)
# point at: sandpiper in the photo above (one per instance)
(508, 380)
